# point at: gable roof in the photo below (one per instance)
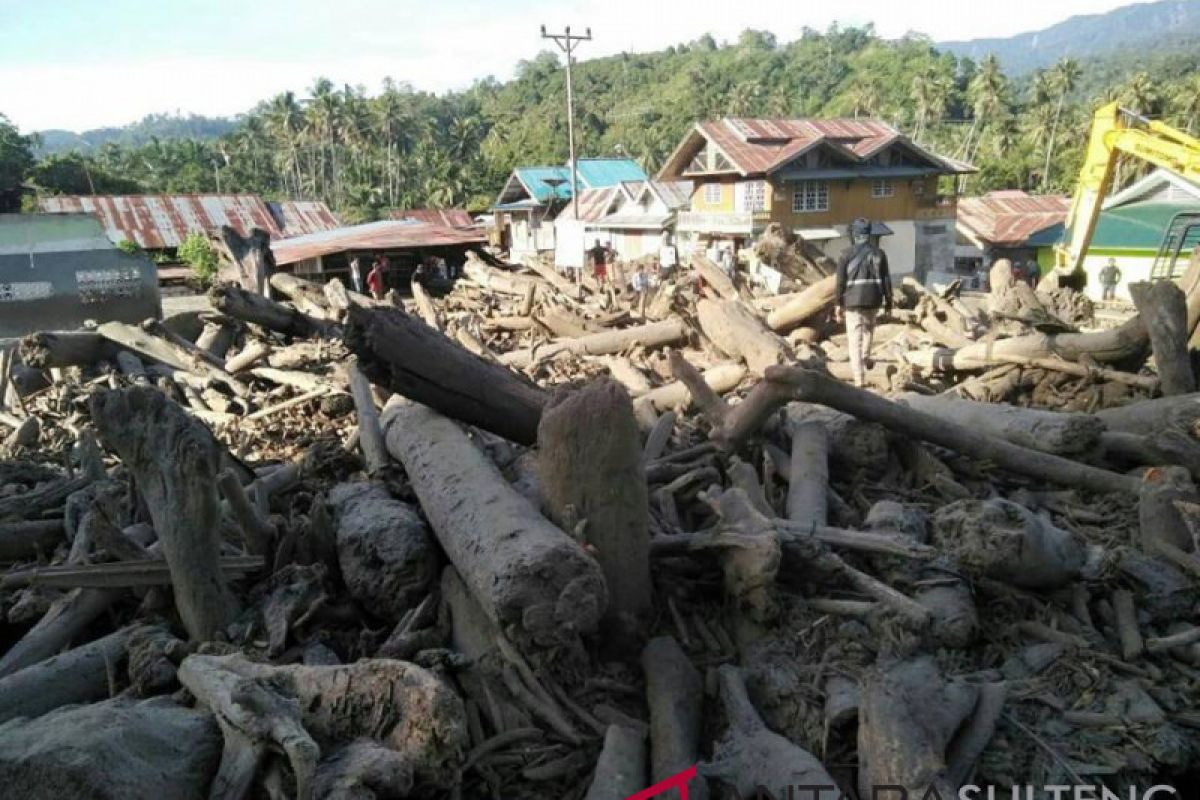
(593, 204)
(543, 185)
(1160, 185)
(1010, 218)
(446, 217)
(388, 234)
(762, 146)
(298, 217)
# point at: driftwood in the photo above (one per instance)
(808, 484)
(721, 379)
(21, 540)
(675, 697)
(531, 578)
(408, 357)
(174, 460)
(737, 332)
(1048, 431)
(370, 435)
(589, 466)
(782, 384)
(251, 259)
(653, 334)
(715, 277)
(804, 305)
(621, 769)
(247, 306)
(1163, 309)
(79, 675)
(48, 349)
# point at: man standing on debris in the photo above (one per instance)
(863, 286)
(599, 257)
(1110, 276)
(1033, 273)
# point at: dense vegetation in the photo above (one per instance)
(409, 148)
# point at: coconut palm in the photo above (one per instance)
(1063, 79)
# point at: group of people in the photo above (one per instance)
(1029, 272)
(376, 278)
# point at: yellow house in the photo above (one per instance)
(814, 177)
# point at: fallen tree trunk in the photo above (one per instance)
(654, 334)
(370, 435)
(1150, 416)
(532, 578)
(174, 460)
(406, 356)
(731, 426)
(715, 277)
(1163, 309)
(497, 280)
(804, 305)
(22, 540)
(738, 333)
(305, 295)
(1049, 431)
(589, 467)
(250, 257)
(675, 697)
(80, 675)
(258, 310)
(720, 379)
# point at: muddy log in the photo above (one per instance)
(808, 487)
(22, 540)
(1163, 309)
(174, 459)
(251, 259)
(654, 334)
(738, 333)
(1049, 431)
(497, 280)
(675, 697)
(804, 305)
(589, 467)
(720, 379)
(47, 349)
(732, 425)
(80, 675)
(307, 296)
(370, 435)
(249, 307)
(527, 574)
(115, 750)
(406, 356)
(715, 277)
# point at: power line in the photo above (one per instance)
(566, 42)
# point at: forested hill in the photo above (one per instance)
(1167, 25)
(153, 126)
(406, 148)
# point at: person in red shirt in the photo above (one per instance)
(375, 279)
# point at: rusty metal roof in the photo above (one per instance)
(446, 217)
(760, 146)
(593, 204)
(1009, 218)
(298, 217)
(160, 221)
(383, 235)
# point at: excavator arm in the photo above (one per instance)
(1116, 131)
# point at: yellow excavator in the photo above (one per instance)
(1115, 131)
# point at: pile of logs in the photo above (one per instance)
(543, 539)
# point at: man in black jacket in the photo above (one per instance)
(863, 287)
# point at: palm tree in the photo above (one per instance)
(864, 99)
(285, 121)
(1063, 78)
(988, 93)
(1186, 101)
(1140, 94)
(931, 93)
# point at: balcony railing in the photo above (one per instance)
(730, 222)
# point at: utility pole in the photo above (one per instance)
(566, 42)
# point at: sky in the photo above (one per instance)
(80, 64)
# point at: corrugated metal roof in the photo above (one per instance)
(298, 217)
(598, 172)
(1009, 218)
(760, 146)
(155, 222)
(676, 194)
(447, 217)
(545, 183)
(593, 204)
(384, 235)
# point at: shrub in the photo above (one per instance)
(198, 253)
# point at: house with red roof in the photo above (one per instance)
(815, 176)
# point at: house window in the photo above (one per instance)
(882, 188)
(753, 196)
(712, 194)
(810, 196)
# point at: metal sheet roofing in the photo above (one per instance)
(155, 222)
(384, 235)
(597, 172)
(760, 146)
(1008, 219)
(545, 183)
(1137, 226)
(447, 217)
(298, 217)
(593, 204)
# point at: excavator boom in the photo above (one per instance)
(1116, 131)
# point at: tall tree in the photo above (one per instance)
(1063, 79)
